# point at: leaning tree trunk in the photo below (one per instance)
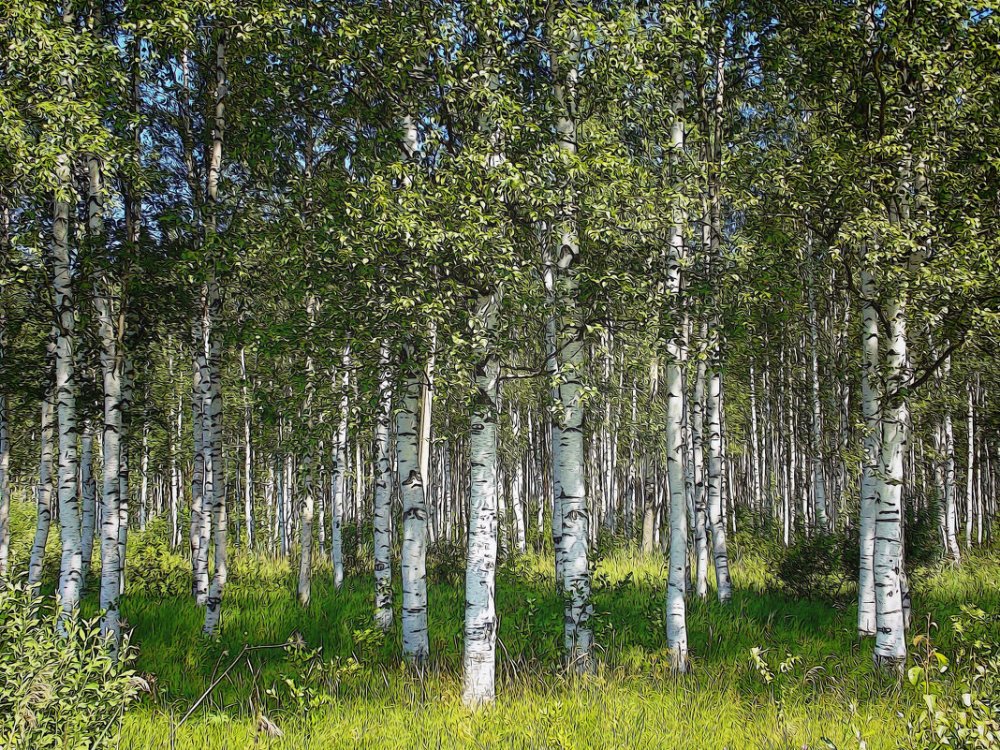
(480, 573)
(890, 625)
(383, 494)
(871, 406)
(414, 548)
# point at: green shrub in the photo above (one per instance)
(58, 690)
(812, 567)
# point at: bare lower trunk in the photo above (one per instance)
(43, 493)
(480, 573)
(890, 588)
(88, 495)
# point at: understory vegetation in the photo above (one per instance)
(772, 669)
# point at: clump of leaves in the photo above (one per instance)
(962, 696)
(59, 685)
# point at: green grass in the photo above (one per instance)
(830, 695)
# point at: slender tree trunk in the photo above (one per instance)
(213, 354)
(720, 553)
(307, 507)
(248, 517)
(414, 549)
(65, 393)
(816, 452)
(700, 491)
(970, 460)
(383, 494)
(676, 617)
(871, 407)
(88, 495)
(110, 322)
(570, 465)
(480, 574)
(4, 446)
(338, 480)
(43, 492)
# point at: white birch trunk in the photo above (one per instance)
(88, 495)
(338, 480)
(111, 367)
(4, 429)
(383, 494)
(700, 491)
(676, 617)
(720, 554)
(481, 622)
(970, 460)
(212, 304)
(890, 638)
(43, 492)
(871, 407)
(65, 394)
(570, 464)
(248, 518)
(414, 548)
(816, 452)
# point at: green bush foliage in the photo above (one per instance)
(59, 686)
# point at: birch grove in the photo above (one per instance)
(356, 291)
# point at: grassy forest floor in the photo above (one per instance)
(341, 684)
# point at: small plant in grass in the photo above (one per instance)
(59, 687)
(154, 569)
(961, 697)
(812, 567)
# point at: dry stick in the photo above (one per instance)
(221, 677)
